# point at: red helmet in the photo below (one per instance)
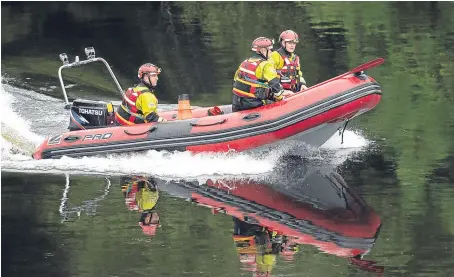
(149, 226)
(288, 35)
(262, 42)
(149, 230)
(148, 68)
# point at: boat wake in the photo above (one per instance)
(28, 117)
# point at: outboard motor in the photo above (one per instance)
(88, 114)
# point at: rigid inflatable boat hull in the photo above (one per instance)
(300, 117)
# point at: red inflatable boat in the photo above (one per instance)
(311, 116)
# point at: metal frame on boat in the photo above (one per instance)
(91, 58)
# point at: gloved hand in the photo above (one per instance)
(278, 96)
(151, 117)
(287, 93)
(303, 87)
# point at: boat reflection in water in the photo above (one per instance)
(274, 219)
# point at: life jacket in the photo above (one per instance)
(127, 113)
(129, 192)
(246, 83)
(289, 72)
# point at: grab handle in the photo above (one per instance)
(152, 129)
(208, 124)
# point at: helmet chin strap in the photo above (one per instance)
(284, 46)
(148, 84)
(149, 81)
(266, 55)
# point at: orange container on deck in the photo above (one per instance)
(184, 107)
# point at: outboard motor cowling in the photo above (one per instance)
(88, 114)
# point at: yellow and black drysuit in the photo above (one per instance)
(255, 82)
(139, 105)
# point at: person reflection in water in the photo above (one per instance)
(258, 247)
(141, 194)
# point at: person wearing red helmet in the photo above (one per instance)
(139, 104)
(141, 195)
(287, 63)
(257, 246)
(256, 81)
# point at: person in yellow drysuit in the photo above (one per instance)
(287, 63)
(141, 194)
(139, 104)
(256, 81)
(258, 247)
